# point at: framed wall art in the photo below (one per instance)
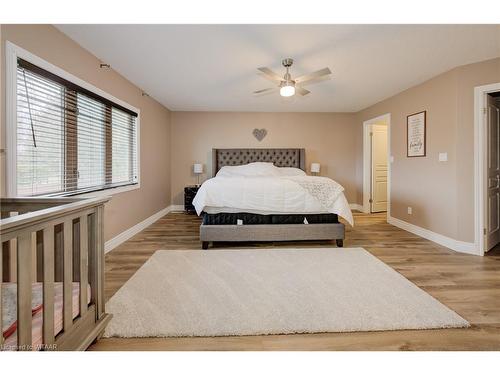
(415, 134)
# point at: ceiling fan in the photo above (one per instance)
(288, 86)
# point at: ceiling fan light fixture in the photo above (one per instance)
(287, 90)
(286, 84)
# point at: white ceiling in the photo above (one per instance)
(213, 67)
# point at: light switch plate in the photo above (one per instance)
(391, 159)
(443, 156)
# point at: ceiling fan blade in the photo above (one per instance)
(314, 80)
(301, 91)
(313, 75)
(265, 91)
(269, 74)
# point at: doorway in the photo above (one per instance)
(379, 163)
(486, 168)
(492, 120)
(376, 165)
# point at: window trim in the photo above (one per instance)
(12, 53)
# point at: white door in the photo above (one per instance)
(493, 183)
(379, 168)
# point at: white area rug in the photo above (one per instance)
(253, 292)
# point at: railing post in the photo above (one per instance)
(24, 281)
(96, 260)
(83, 264)
(100, 259)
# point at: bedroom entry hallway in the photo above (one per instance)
(376, 164)
(467, 284)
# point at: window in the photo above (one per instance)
(70, 140)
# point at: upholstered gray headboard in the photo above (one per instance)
(281, 157)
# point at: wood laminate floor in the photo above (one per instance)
(468, 284)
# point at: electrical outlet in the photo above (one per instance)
(410, 211)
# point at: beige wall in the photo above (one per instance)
(125, 209)
(440, 193)
(329, 138)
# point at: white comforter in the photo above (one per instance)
(274, 194)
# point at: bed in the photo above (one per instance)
(264, 195)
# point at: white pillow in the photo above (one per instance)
(257, 169)
(290, 171)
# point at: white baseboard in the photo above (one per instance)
(176, 207)
(460, 246)
(130, 232)
(357, 207)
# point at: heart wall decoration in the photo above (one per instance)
(260, 134)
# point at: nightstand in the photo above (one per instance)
(189, 194)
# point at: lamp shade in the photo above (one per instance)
(315, 167)
(197, 168)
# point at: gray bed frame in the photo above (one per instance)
(281, 157)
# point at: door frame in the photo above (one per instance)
(480, 164)
(367, 162)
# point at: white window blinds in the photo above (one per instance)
(70, 140)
